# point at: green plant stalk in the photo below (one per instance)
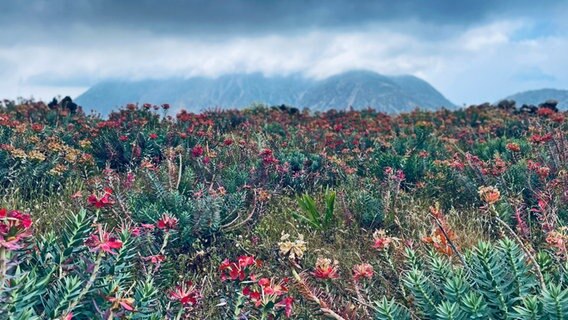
(237, 311)
(89, 283)
(391, 265)
(3, 265)
(525, 249)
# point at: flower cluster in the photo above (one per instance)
(187, 294)
(442, 236)
(238, 270)
(381, 241)
(103, 241)
(15, 227)
(102, 200)
(489, 195)
(294, 250)
(326, 269)
(267, 293)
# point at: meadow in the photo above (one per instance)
(276, 213)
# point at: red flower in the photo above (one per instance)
(167, 222)
(197, 151)
(186, 293)
(540, 139)
(266, 291)
(155, 259)
(543, 172)
(268, 157)
(237, 270)
(513, 147)
(14, 227)
(287, 304)
(103, 241)
(381, 240)
(363, 270)
(123, 138)
(103, 201)
(37, 127)
(153, 136)
(545, 112)
(326, 269)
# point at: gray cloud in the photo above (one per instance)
(234, 17)
(470, 50)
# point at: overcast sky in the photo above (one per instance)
(472, 51)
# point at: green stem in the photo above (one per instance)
(89, 283)
(526, 250)
(237, 311)
(3, 265)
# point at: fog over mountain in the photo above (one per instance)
(358, 89)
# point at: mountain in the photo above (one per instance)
(535, 97)
(358, 89)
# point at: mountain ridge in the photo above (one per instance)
(357, 88)
(537, 96)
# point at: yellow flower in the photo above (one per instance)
(18, 153)
(21, 128)
(85, 143)
(293, 250)
(58, 170)
(71, 154)
(55, 146)
(34, 139)
(36, 155)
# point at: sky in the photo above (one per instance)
(471, 51)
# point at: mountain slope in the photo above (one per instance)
(536, 97)
(358, 89)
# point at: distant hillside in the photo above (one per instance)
(536, 97)
(359, 89)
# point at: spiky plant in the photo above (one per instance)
(498, 283)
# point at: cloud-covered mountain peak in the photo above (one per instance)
(358, 89)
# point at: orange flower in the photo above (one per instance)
(489, 194)
(439, 241)
(513, 147)
(437, 238)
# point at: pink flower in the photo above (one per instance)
(326, 269)
(155, 259)
(14, 227)
(101, 201)
(197, 151)
(363, 270)
(103, 241)
(381, 240)
(186, 293)
(167, 222)
(237, 270)
(287, 304)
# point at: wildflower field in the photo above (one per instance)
(275, 213)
